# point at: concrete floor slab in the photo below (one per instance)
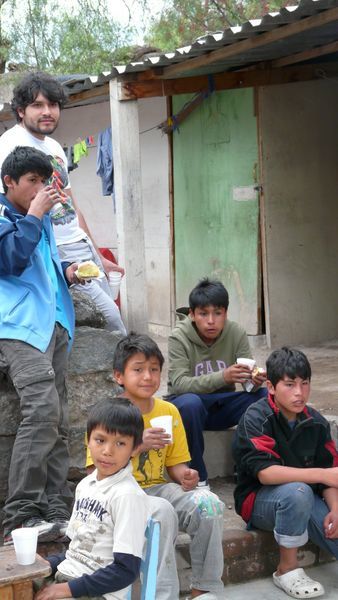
(264, 589)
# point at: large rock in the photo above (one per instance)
(86, 311)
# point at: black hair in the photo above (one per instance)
(287, 361)
(132, 344)
(31, 86)
(25, 159)
(117, 415)
(208, 292)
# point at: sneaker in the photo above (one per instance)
(8, 540)
(62, 524)
(204, 484)
(47, 532)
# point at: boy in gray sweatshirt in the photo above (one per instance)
(203, 349)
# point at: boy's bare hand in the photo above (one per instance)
(43, 202)
(189, 480)
(54, 592)
(70, 274)
(109, 266)
(155, 438)
(259, 378)
(330, 525)
(237, 374)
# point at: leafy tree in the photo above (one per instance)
(81, 38)
(5, 43)
(31, 29)
(182, 21)
(89, 40)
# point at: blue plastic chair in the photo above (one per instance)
(150, 562)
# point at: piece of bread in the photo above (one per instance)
(257, 371)
(88, 269)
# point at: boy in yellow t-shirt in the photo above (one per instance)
(138, 363)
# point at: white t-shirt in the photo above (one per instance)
(108, 516)
(66, 227)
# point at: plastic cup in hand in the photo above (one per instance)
(248, 362)
(164, 421)
(251, 363)
(114, 283)
(25, 542)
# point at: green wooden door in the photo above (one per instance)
(216, 208)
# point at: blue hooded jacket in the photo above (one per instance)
(27, 295)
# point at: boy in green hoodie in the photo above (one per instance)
(203, 350)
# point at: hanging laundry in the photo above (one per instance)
(80, 150)
(104, 162)
(90, 140)
(69, 152)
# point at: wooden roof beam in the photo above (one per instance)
(100, 90)
(305, 55)
(132, 90)
(262, 39)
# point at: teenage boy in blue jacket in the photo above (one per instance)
(36, 326)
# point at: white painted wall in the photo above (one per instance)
(86, 185)
(298, 126)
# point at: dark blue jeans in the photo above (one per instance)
(211, 412)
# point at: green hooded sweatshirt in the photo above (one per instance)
(198, 368)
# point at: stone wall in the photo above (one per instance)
(89, 380)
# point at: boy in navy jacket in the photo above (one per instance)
(36, 326)
(287, 470)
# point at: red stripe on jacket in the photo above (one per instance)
(247, 506)
(265, 443)
(331, 447)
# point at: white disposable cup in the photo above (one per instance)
(114, 283)
(164, 421)
(251, 363)
(248, 362)
(25, 542)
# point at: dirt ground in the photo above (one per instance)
(324, 364)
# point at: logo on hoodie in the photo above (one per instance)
(205, 367)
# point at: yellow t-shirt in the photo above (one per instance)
(148, 467)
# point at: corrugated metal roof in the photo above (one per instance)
(318, 36)
(251, 30)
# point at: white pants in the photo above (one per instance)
(97, 289)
